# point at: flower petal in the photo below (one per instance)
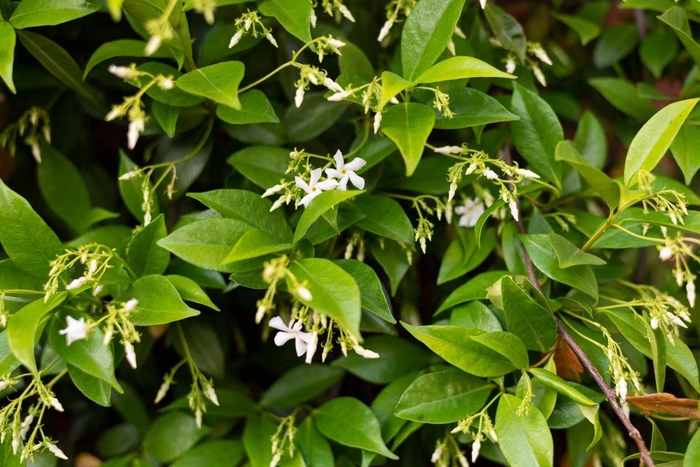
(300, 345)
(326, 185)
(302, 184)
(356, 164)
(333, 173)
(278, 323)
(339, 161)
(282, 338)
(343, 184)
(308, 198)
(356, 180)
(315, 176)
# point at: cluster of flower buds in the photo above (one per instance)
(94, 258)
(334, 8)
(312, 75)
(159, 30)
(356, 241)
(537, 55)
(393, 9)
(205, 8)
(283, 440)
(448, 454)
(250, 23)
(442, 103)
(33, 126)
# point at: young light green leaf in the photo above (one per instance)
(677, 19)
(692, 454)
(608, 189)
(255, 108)
(216, 82)
(293, 15)
(8, 38)
(121, 48)
(471, 350)
(585, 29)
(537, 133)
(569, 254)
(320, 206)
(475, 315)
(526, 318)
(333, 291)
(143, 254)
(384, 216)
(348, 421)
(24, 236)
(443, 397)
(653, 140)
(35, 13)
(408, 126)
(507, 30)
(158, 302)
(426, 34)
(392, 84)
(524, 439)
(373, 297)
(460, 68)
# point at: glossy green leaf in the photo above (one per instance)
(590, 140)
(255, 243)
(443, 397)
(216, 82)
(460, 68)
(257, 436)
(216, 452)
(686, 152)
(408, 126)
(265, 166)
(657, 51)
(561, 386)
(35, 13)
(373, 296)
(392, 84)
(524, 439)
(255, 108)
(120, 48)
(474, 351)
(166, 116)
(692, 454)
(300, 384)
(203, 345)
(24, 236)
(143, 254)
(172, 435)
(392, 257)
(569, 254)
(334, 291)
(464, 255)
(472, 108)
(158, 302)
(293, 15)
(507, 30)
(655, 137)
(586, 30)
(677, 19)
(8, 38)
(426, 34)
(316, 115)
(474, 289)
(475, 315)
(615, 44)
(623, 96)
(608, 189)
(314, 447)
(318, 207)
(384, 216)
(526, 318)
(174, 97)
(348, 421)
(190, 291)
(537, 133)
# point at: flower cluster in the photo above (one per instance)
(393, 9)
(334, 8)
(95, 260)
(448, 453)
(484, 430)
(274, 271)
(537, 55)
(312, 75)
(250, 23)
(33, 126)
(283, 440)
(205, 8)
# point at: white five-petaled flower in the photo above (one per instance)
(470, 212)
(314, 187)
(666, 253)
(490, 174)
(526, 173)
(344, 172)
(75, 330)
(293, 331)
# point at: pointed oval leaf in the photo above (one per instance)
(526, 318)
(408, 126)
(255, 108)
(143, 254)
(35, 13)
(460, 68)
(318, 207)
(524, 439)
(158, 302)
(373, 296)
(216, 82)
(8, 38)
(293, 15)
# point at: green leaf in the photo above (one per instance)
(88, 355)
(657, 342)
(7, 457)
(590, 140)
(355, 62)
(537, 133)
(553, 381)
(384, 216)
(247, 207)
(392, 84)
(166, 116)
(60, 64)
(392, 258)
(318, 207)
(443, 397)
(472, 108)
(608, 189)
(397, 357)
(686, 152)
(475, 315)
(293, 15)
(232, 404)
(653, 140)
(545, 259)
(24, 236)
(216, 82)
(143, 254)
(121, 48)
(172, 435)
(569, 254)
(615, 44)
(692, 453)
(476, 352)
(460, 68)
(526, 318)
(203, 345)
(525, 439)
(257, 435)
(8, 362)
(93, 388)
(159, 302)
(624, 97)
(216, 452)
(334, 291)
(677, 19)
(255, 108)
(373, 297)
(348, 421)
(255, 243)
(24, 326)
(473, 289)
(8, 38)
(408, 126)
(205, 243)
(314, 117)
(174, 97)
(190, 291)
(35, 13)
(131, 189)
(507, 30)
(657, 51)
(300, 384)
(314, 447)
(426, 34)
(586, 30)
(265, 166)
(464, 255)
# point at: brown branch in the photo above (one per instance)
(607, 390)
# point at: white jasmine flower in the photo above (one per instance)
(75, 330)
(114, 113)
(153, 45)
(332, 85)
(526, 173)
(666, 253)
(423, 244)
(690, 289)
(313, 18)
(130, 354)
(235, 39)
(76, 283)
(299, 96)
(314, 187)
(510, 65)
(476, 447)
(129, 175)
(470, 212)
(271, 40)
(344, 172)
(462, 460)
(135, 128)
(385, 29)
(453, 190)
(26, 424)
(304, 293)
(311, 347)
(340, 96)
(445, 150)
(337, 43)
(293, 331)
(664, 231)
(119, 71)
(92, 268)
(684, 315)
(458, 31)
(247, 24)
(56, 404)
(513, 205)
(97, 290)
(673, 218)
(362, 352)
(539, 75)
(15, 442)
(490, 174)
(276, 459)
(345, 12)
(211, 395)
(273, 190)
(56, 451)
(377, 121)
(130, 305)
